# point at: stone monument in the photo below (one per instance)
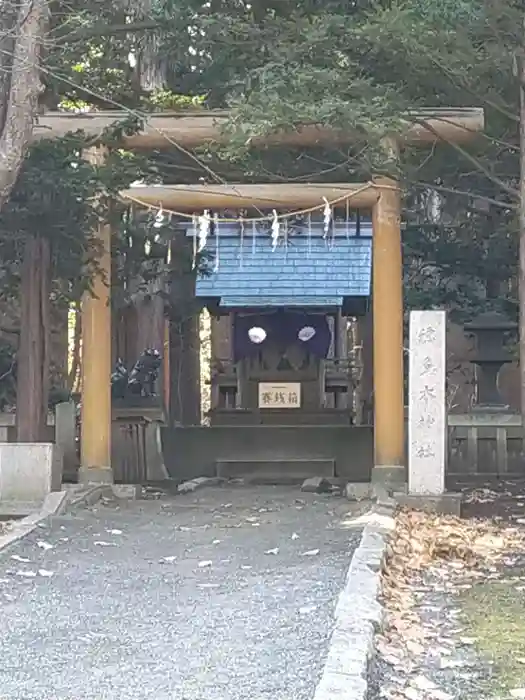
(427, 415)
(427, 421)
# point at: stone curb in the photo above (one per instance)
(54, 504)
(358, 613)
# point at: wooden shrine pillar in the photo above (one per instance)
(95, 461)
(387, 297)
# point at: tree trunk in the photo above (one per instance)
(521, 278)
(152, 64)
(33, 349)
(184, 356)
(74, 372)
(150, 322)
(22, 28)
(185, 399)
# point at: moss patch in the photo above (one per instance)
(495, 616)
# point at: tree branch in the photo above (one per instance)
(459, 83)
(479, 166)
(463, 193)
(100, 30)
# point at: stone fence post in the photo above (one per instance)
(65, 435)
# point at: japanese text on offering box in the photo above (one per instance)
(280, 395)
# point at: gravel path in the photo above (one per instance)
(223, 594)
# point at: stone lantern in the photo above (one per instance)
(490, 329)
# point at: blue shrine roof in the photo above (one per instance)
(305, 270)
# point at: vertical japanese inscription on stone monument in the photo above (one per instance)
(427, 420)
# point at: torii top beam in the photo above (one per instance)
(196, 128)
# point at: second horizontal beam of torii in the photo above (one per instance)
(193, 198)
(192, 129)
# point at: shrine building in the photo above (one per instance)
(282, 392)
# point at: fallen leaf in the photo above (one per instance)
(415, 647)
(307, 609)
(438, 694)
(392, 660)
(450, 663)
(423, 683)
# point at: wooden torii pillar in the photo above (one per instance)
(387, 316)
(95, 444)
(197, 129)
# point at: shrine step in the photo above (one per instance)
(274, 471)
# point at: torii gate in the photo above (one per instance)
(382, 196)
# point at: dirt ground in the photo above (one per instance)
(454, 593)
